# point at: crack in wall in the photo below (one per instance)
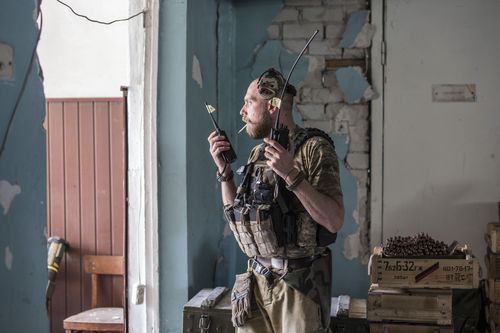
(321, 102)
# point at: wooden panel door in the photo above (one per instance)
(85, 195)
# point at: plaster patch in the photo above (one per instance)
(354, 27)
(364, 38)
(354, 85)
(352, 246)
(7, 193)
(8, 258)
(196, 71)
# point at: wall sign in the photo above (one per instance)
(453, 92)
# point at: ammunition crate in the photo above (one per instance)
(407, 328)
(424, 306)
(424, 272)
(492, 236)
(350, 320)
(494, 290)
(208, 311)
(495, 314)
(492, 264)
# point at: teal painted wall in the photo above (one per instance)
(23, 251)
(247, 53)
(172, 162)
(229, 39)
(189, 202)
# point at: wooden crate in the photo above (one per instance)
(423, 306)
(495, 313)
(407, 328)
(492, 264)
(424, 273)
(494, 290)
(348, 315)
(492, 236)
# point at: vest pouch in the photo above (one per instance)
(261, 224)
(239, 223)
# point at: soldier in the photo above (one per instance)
(286, 211)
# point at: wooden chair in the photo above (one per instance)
(99, 319)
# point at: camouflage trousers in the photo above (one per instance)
(298, 303)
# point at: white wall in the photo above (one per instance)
(80, 58)
(441, 159)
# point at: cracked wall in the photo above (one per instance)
(336, 101)
(254, 36)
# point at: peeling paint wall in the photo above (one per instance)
(210, 53)
(342, 111)
(324, 102)
(23, 268)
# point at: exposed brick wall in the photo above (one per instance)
(320, 102)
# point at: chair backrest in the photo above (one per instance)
(102, 265)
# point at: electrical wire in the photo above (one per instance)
(23, 85)
(96, 21)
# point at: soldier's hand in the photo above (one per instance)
(278, 158)
(218, 144)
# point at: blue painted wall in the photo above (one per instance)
(229, 38)
(243, 36)
(189, 202)
(22, 301)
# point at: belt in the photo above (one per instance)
(281, 263)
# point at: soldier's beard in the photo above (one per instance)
(261, 129)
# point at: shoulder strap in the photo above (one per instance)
(308, 133)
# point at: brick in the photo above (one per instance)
(332, 110)
(360, 213)
(324, 95)
(354, 54)
(345, 2)
(361, 177)
(329, 79)
(316, 63)
(294, 45)
(321, 14)
(273, 32)
(291, 31)
(334, 31)
(355, 6)
(311, 111)
(350, 113)
(302, 2)
(358, 138)
(287, 14)
(312, 79)
(357, 161)
(341, 127)
(325, 47)
(326, 125)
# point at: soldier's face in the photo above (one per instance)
(255, 112)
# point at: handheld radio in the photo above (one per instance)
(229, 156)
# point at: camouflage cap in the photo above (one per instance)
(270, 84)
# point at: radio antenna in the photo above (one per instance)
(290, 74)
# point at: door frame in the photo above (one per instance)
(142, 242)
(377, 123)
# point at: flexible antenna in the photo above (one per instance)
(290, 74)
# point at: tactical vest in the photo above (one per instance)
(260, 218)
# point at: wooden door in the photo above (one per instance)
(85, 195)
